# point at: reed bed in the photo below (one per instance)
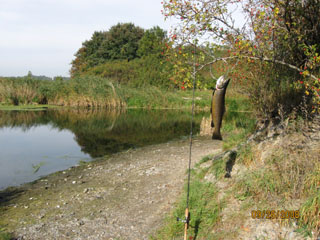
(79, 92)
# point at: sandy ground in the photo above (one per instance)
(125, 196)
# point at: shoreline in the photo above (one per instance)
(48, 106)
(97, 200)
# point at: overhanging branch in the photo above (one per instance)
(257, 58)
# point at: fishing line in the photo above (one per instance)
(191, 127)
(187, 214)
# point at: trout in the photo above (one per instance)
(218, 106)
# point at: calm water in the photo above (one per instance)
(37, 143)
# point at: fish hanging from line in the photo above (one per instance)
(218, 106)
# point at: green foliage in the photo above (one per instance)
(205, 212)
(128, 55)
(280, 39)
(120, 42)
(218, 168)
(272, 89)
(95, 91)
(298, 32)
(145, 71)
(4, 235)
(152, 42)
(120, 71)
(89, 54)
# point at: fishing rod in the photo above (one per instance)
(186, 220)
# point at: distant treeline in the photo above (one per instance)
(40, 77)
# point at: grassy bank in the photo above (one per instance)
(4, 235)
(280, 174)
(90, 91)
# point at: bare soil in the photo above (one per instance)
(124, 196)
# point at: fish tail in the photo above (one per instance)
(216, 135)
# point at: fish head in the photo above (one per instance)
(222, 83)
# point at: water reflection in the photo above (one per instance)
(23, 150)
(35, 143)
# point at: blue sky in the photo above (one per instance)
(43, 35)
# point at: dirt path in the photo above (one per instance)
(124, 197)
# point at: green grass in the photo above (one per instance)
(92, 91)
(273, 186)
(39, 107)
(203, 160)
(286, 179)
(4, 235)
(204, 211)
(205, 207)
(157, 98)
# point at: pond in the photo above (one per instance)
(37, 143)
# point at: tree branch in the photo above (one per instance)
(256, 58)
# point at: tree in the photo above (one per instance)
(120, 42)
(89, 55)
(278, 39)
(152, 42)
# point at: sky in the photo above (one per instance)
(42, 36)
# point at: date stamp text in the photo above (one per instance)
(275, 214)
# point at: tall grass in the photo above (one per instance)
(19, 90)
(82, 91)
(93, 91)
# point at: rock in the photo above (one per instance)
(85, 190)
(80, 223)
